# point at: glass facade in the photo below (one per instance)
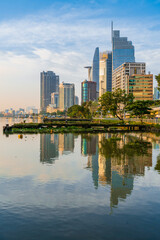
(95, 68)
(88, 91)
(49, 83)
(85, 91)
(123, 50)
(109, 72)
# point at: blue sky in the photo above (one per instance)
(19, 8)
(37, 35)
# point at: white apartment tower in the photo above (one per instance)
(66, 96)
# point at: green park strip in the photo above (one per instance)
(81, 127)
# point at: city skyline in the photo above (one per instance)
(47, 35)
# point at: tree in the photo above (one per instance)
(92, 106)
(61, 113)
(139, 108)
(115, 103)
(77, 111)
(157, 77)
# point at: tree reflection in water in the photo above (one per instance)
(119, 158)
(157, 167)
(128, 155)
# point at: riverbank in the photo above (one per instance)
(80, 127)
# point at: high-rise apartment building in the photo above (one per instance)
(122, 49)
(95, 69)
(119, 75)
(66, 96)
(88, 91)
(105, 73)
(49, 83)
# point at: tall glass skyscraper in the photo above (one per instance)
(122, 49)
(95, 68)
(49, 83)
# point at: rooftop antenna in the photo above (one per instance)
(111, 30)
(89, 72)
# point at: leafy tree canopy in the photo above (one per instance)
(157, 77)
(77, 111)
(139, 108)
(115, 102)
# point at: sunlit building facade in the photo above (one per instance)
(66, 96)
(105, 73)
(141, 86)
(120, 74)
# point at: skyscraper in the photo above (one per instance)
(105, 73)
(122, 49)
(49, 83)
(88, 91)
(66, 95)
(95, 68)
(89, 72)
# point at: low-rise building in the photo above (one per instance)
(141, 86)
(120, 74)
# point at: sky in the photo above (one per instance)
(61, 36)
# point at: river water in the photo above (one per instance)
(68, 186)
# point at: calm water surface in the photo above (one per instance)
(67, 186)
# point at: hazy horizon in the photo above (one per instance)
(61, 36)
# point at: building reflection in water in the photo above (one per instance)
(119, 159)
(89, 147)
(53, 144)
(113, 159)
(66, 143)
(48, 148)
